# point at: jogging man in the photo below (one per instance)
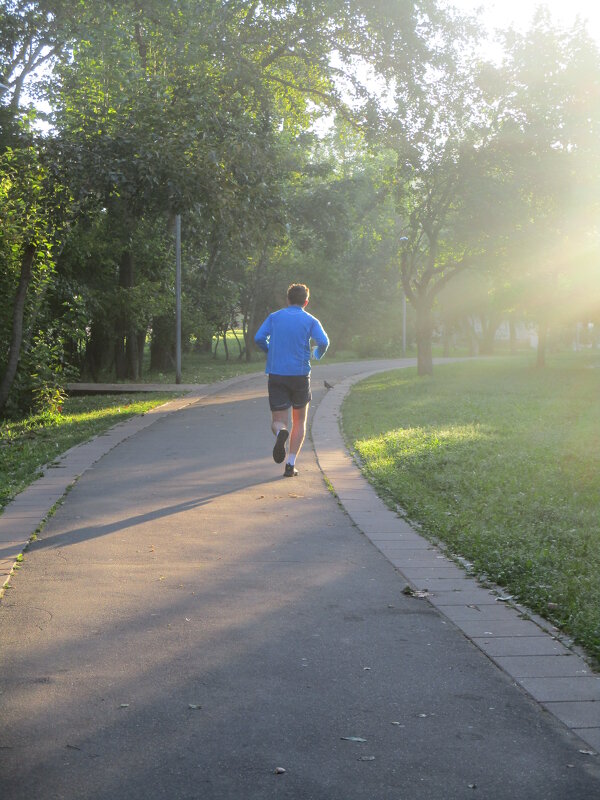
(285, 337)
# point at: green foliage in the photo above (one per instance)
(49, 371)
(544, 114)
(205, 109)
(32, 213)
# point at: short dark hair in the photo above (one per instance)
(297, 294)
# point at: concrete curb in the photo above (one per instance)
(28, 511)
(529, 649)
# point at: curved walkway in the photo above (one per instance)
(191, 625)
(529, 649)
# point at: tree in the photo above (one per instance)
(548, 128)
(32, 212)
(174, 106)
(32, 204)
(32, 34)
(445, 180)
(166, 107)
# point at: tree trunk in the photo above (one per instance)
(98, 354)
(424, 335)
(250, 307)
(162, 346)
(512, 329)
(126, 349)
(239, 344)
(225, 345)
(119, 359)
(447, 336)
(249, 327)
(542, 344)
(14, 352)
(489, 327)
(141, 343)
(132, 353)
(248, 340)
(473, 340)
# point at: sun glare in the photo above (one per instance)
(501, 14)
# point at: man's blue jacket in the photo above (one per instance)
(285, 337)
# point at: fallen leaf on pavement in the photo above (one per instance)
(352, 739)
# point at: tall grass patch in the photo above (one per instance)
(501, 462)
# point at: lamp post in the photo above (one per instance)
(178, 298)
(403, 261)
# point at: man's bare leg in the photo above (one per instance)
(298, 432)
(279, 420)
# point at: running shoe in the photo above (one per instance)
(279, 449)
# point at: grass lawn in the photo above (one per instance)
(28, 444)
(501, 462)
(205, 368)
(195, 368)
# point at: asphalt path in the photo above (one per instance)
(190, 622)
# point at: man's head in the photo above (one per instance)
(298, 294)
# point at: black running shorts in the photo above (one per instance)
(289, 390)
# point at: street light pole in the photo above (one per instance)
(403, 261)
(403, 324)
(178, 298)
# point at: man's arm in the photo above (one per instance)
(263, 334)
(320, 337)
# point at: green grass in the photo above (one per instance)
(501, 462)
(195, 368)
(205, 368)
(30, 443)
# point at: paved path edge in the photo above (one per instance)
(530, 650)
(26, 514)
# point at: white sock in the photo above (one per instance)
(291, 459)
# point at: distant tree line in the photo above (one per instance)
(467, 186)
